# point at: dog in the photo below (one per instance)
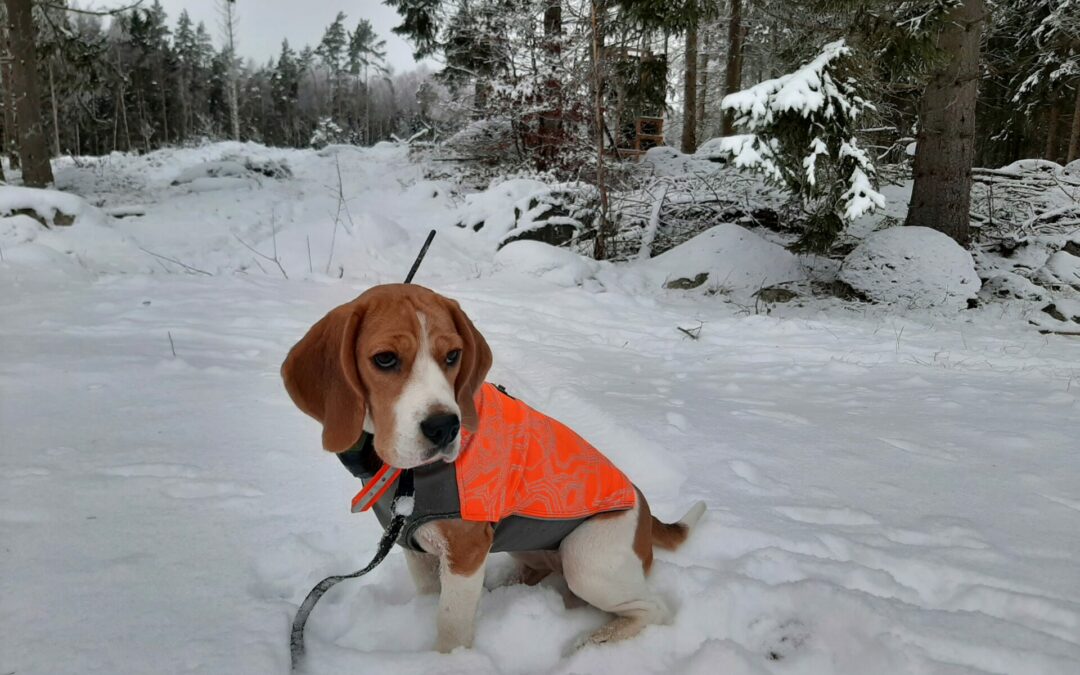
(407, 366)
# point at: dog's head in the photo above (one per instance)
(401, 362)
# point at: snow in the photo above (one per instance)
(913, 266)
(734, 258)
(891, 490)
(663, 160)
(224, 169)
(550, 263)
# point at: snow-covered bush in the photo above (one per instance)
(555, 216)
(327, 132)
(916, 267)
(801, 134)
(488, 138)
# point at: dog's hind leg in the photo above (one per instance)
(604, 564)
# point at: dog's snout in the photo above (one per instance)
(441, 429)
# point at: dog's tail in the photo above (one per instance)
(669, 536)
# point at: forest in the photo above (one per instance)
(976, 84)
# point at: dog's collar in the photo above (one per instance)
(360, 460)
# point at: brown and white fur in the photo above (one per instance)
(338, 374)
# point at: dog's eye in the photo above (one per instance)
(385, 360)
(453, 357)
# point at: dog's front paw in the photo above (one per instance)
(618, 629)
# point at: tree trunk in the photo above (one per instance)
(689, 128)
(600, 243)
(1052, 131)
(1074, 137)
(55, 113)
(232, 94)
(33, 147)
(11, 128)
(733, 69)
(551, 116)
(703, 83)
(941, 196)
(164, 110)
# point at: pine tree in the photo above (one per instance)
(187, 59)
(1051, 34)
(366, 51)
(285, 92)
(229, 22)
(802, 134)
(333, 51)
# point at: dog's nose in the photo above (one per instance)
(441, 429)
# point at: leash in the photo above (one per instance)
(372, 492)
(402, 510)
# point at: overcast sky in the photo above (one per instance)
(263, 23)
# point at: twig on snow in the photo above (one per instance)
(342, 205)
(174, 261)
(693, 333)
(171, 345)
(274, 259)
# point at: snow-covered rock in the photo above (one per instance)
(1064, 309)
(1009, 286)
(1071, 170)
(551, 263)
(916, 267)
(732, 257)
(1060, 273)
(49, 206)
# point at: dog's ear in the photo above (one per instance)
(321, 376)
(475, 363)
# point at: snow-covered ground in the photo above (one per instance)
(889, 492)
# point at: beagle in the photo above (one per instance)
(407, 366)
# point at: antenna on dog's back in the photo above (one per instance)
(420, 258)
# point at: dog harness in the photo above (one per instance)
(528, 474)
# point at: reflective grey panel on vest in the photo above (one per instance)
(518, 533)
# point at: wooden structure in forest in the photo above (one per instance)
(638, 89)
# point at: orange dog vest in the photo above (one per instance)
(527, 473)
(520, 462)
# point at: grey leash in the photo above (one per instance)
(402, 497)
